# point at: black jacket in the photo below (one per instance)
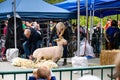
(54, 33)
(35, 36)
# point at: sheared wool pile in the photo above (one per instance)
(26, 63)
(48, 63)
(21, 62)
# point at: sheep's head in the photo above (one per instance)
(61, 41)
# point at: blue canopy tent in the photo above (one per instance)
(106, 12)
(104, 4)
(100, 7)
(71, 5)
(106, 8)
(35, 9)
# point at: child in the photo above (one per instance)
(42, 73)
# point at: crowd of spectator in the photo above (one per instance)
(30, 36)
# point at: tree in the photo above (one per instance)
(1, 0)
(53, 1)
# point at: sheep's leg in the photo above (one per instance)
(55, 60)
(34, 60)
(37, 60)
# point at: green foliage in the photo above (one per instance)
(96, 20)
(1, 0)
(53, 1)
(83, 20)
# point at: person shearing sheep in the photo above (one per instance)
(60, 31)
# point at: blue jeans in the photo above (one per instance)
(26, 47)
(97, 45)
(39, 44)
(29, 48)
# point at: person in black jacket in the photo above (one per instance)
(33, 38)
(10, 41)
(60, 30)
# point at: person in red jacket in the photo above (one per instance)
(3, 41)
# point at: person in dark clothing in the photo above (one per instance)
(60, 31)
(30, 44)
(3, 41)
(52, 37)
(96, 36)
(112, 36)
(10, 41)
(82, 33)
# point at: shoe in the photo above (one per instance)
(23, 56)
(97, 55)
(4, 58)
(65, 62)
(1, 59)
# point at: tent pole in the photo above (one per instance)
(91, 26)
(93, 18)
(87, 17)
(15, 37)
(101, 34)
(101, 31)
(48, 31)
(92, 23)
(78, 26)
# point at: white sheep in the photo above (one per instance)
(53, 53)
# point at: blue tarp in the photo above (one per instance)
(106, 7)
(106, 12)
(102, 8)
(33, 9)
(104, 4)
(71, 5)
